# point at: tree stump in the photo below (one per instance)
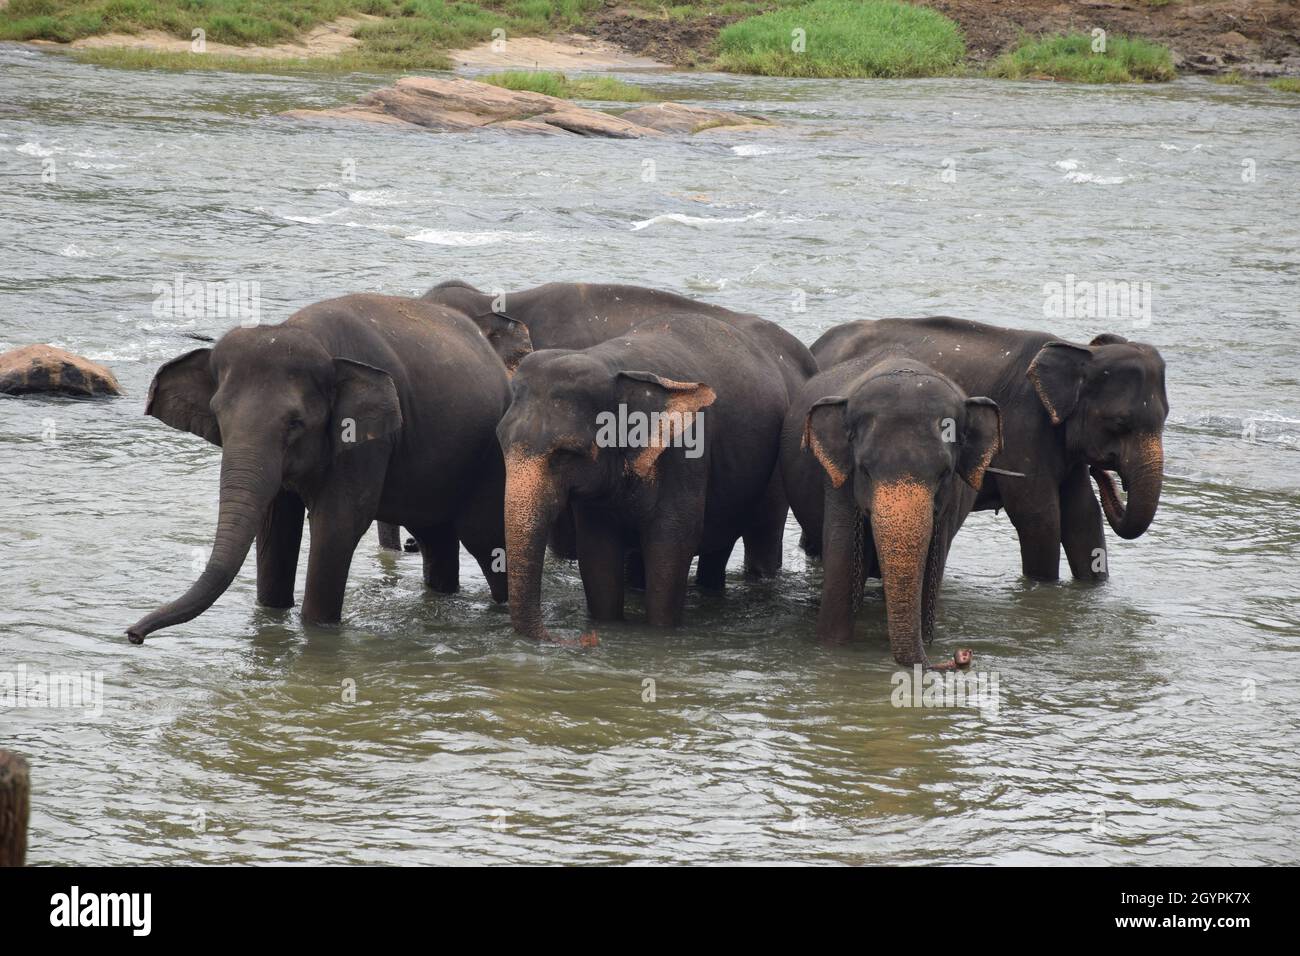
(15, 805)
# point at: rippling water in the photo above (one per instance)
(1152, 719)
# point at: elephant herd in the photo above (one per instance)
(635, 431)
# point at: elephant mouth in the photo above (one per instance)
(1104, 477)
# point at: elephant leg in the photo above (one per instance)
(840, 541)
(763, 539)
(440, 550)
(1082, 533)
(870, 560)
(333, 539)
(668, 549)
(811, 548)
(1034, 509)
(390, 536)
(340, 515)
(711, 572)
(482, 530)
(634, 570)
(278, 542)
(564, 536)
(600, 562)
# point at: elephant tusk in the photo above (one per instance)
(1003, 471)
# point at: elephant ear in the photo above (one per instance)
(981, 441)
(508, 337)
(1057, 376)
(825, 436)
(678, 404)
(366, 406)
(181, 395)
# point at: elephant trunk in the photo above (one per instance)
(902, 518)
(532, 504)
(1143, 473)
(250, 480)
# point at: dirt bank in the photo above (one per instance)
(568, 52)
(683, 43)
(326, 39)
(1209, 36)
(1255, 37)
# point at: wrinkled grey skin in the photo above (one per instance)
(578, 315)
(882, 458)
(650, 497)
(354, 409)
(1068, 411)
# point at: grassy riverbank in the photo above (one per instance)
(836, 38)
(813, 38)
(392, 34)
(399, 24)
(1084, 59)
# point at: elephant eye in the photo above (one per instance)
(296, 424)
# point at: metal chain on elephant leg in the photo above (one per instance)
(857, 579)
(929, 590)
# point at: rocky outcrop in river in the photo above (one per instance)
(457, 105)
(43, 368)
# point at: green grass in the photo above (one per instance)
(1071, 58)
(239, 22)
(414, 34)
(1229, 79)
(1287, 84)
(557, 84)
(844, 38)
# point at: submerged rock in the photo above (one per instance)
(680, 118)
(43, 368)
(458, 104)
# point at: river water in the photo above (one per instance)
(1152, 719)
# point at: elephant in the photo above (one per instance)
(1068, 411)
(698, 406)
(355, 408)
(578, 315)
(882, 457)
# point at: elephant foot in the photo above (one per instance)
(411, 546)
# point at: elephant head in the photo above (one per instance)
(508, 336)
(1110, 398)
(281, 408)
(558, 446)
(459, 295)
(897, 447)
